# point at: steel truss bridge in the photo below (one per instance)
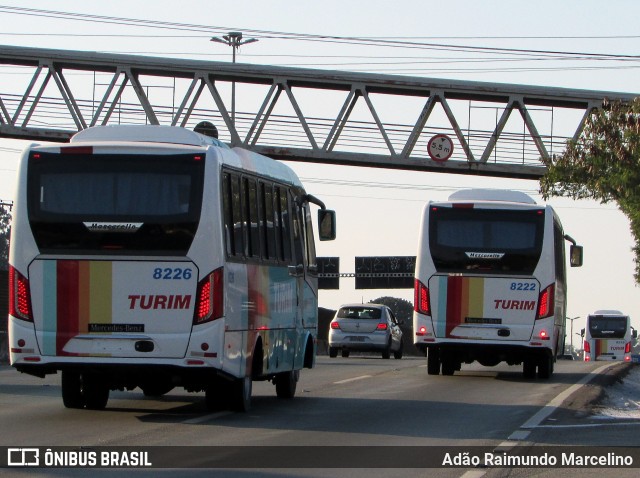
(297, 114)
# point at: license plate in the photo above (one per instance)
(357, 339)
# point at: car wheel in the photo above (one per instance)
(333, 352)
(386, 353)
(398, 353)
(345, 353)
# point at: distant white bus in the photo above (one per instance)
(490, 282)
(608, 336)
(156, 257)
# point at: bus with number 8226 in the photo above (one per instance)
(157, 257)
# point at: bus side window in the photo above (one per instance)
(250, 218)
(227, 213)
(559, 254)
(236, 212)
(268, 224)
(298, 235)
(285, 223)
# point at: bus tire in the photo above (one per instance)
(241, 394)
(95, 391)
(449, 365)
(529, 368)
(545, 367)
(216, 395)
(433, 361)
(72, 389)
(286, 383)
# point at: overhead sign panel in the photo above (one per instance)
(328, 272)
(385, 272)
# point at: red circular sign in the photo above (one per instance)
(440, 147)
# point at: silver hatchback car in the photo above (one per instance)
(365, 327)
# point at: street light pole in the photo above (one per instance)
(572, 319)
(235, 41)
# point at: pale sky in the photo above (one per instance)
(374, 220)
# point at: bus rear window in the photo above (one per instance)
(607, 327)
(486, 240)
(114, 203)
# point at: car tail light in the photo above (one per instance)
(627, 348)
(421, 298)
(335, 325)
(587, 347)
(209, 301)
(545, 303)
(382, 326)
(19, 296)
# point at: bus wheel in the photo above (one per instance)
(545, 367)
(96, 392)
(72, 389)
(333, 352)
(529, 368)
(216, 395)
(448, 365)
(433, 361)
(286, 383)
(241, 394)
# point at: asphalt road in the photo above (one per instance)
(348, 412)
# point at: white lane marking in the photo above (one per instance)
(352, 379)
(534, 422)
(474, 474)
(206, 418)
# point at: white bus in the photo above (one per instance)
(608, 336)
(490, 282)
(156, 257)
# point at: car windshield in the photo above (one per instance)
(359, 313)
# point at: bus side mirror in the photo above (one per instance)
(634, 334)
(575, 254)
(582, 333)
(326, 224)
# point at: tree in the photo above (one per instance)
(402, 309)
(5, 229)
(603, 164)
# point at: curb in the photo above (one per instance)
(582, 403)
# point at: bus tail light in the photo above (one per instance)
(627, 348)
(209, 300)
(545, 303)
(19, 296)
(421, 298)
(587, 347)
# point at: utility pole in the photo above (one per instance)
(571, 340)
(235, 41)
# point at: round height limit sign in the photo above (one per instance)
(440, 147)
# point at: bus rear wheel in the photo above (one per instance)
(240, 394)
(95, 391)
(433, 361)
(72, 389)
(545, 367)
(286, 383)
